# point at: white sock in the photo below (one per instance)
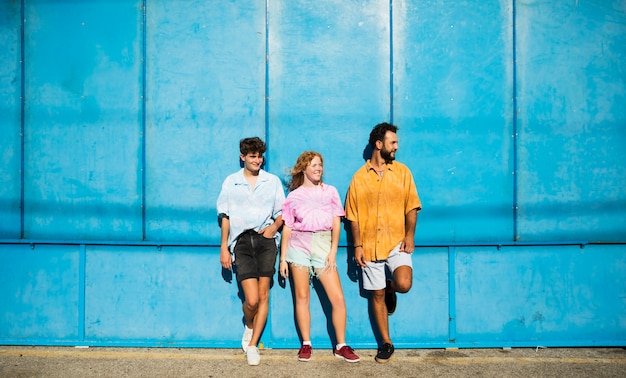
(339, 346)
(308, 342)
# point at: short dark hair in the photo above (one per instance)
(252, 145)
(379, 131)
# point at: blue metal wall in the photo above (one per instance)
(121, 118)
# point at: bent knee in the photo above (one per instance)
(403, 286)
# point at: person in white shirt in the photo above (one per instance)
(249, 208)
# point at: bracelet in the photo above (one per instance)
(282, 261)
(357, 246)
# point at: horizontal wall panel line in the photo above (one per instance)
(581, 243)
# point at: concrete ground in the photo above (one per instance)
(19, 361)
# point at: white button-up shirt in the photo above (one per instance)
(250, 209)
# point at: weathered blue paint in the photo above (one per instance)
(571, 98)
(10, 121)
(145, 302)
(451, 294)
(540, 294)
(312, 110)
(39, 295)
(204, 94)
(453, 90)
(81, 120)
(511, 118)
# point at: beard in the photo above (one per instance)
(387, 155)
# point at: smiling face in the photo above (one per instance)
(252, 162)
(313, 172)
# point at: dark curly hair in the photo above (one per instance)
(379, 131)
(252, 145)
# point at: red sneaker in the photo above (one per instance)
(347, 354)
(305, 353)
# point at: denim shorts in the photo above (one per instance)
(255, 256)
(309, 249)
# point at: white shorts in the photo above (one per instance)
(375, 273)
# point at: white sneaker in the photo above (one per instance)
(247, 336)
(253, 356)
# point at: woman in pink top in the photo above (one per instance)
(312, 218)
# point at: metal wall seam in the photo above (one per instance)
(267, 78)
(391, 61)
(142, 126)
(515, 134)
(451, 294)
(82, 264)
(497, 244)
(22, 119)
(268, 323)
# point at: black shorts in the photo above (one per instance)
(255, 256)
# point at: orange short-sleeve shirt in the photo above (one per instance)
(379, 205)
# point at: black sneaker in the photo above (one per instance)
(384, 353)
(391, 300)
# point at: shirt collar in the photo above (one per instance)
(240, 179)
(369, 166)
